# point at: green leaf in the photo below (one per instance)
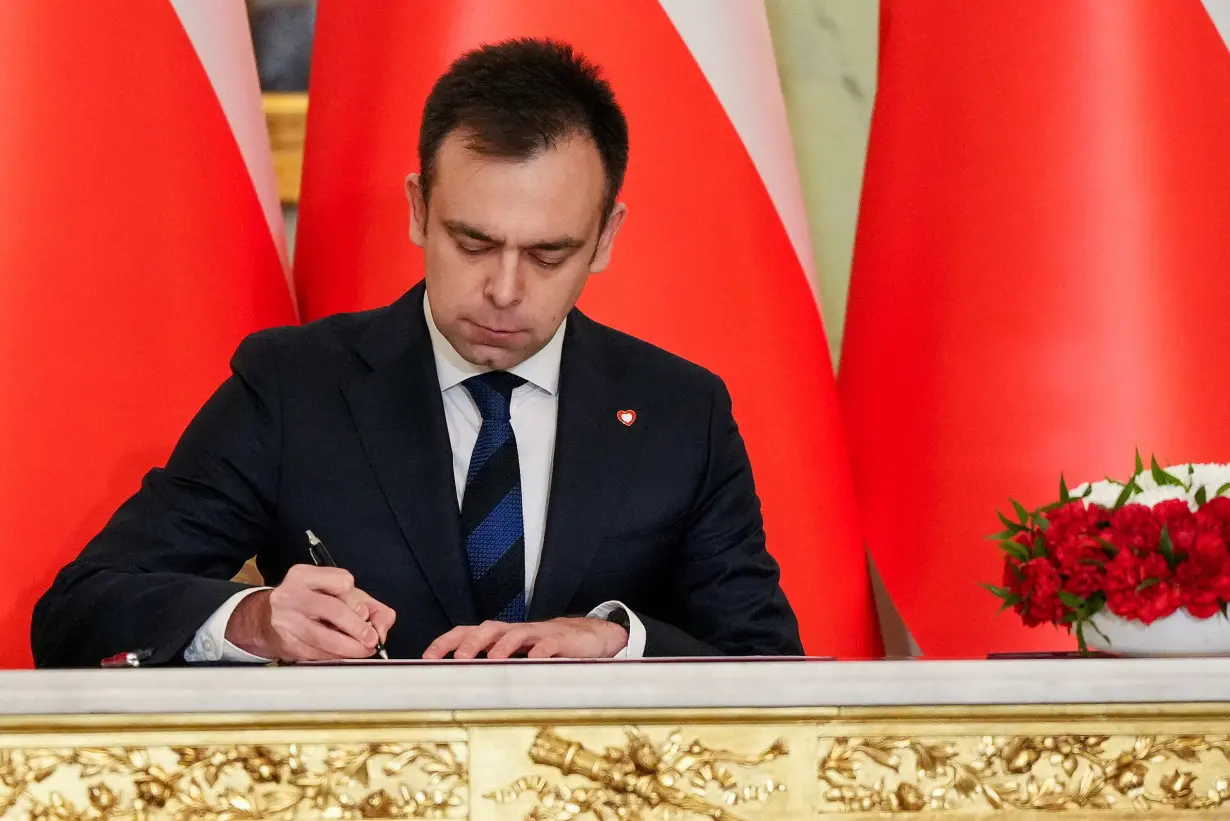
(1222, 489)
(1016, 551)
(1041, 522)
(1001, 592)
(1021, 513)
(1000, 536)
(1008, 523)
(1088, 491)
(1011, 601)
(1064, 496)
(1202, 496)
(1163, 478)
(1147, 583)
(1114, 551)
(1124, 495)
(1039, 547)
(1140, 465)
(1071, 600)
(1166, 548)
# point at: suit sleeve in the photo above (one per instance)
(164, 561)
(728, 600)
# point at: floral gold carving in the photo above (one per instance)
(641, 780)
(240, 783)
(1071, 772)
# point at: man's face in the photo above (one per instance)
(509, 244)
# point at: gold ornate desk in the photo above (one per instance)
(620, 740)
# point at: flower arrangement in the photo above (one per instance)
(1142, 549)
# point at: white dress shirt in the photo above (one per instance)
(534, 409)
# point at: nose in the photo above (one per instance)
(506, 285)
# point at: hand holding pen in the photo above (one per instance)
(315, 614)
(321, 558)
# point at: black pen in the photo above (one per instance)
(321, 558)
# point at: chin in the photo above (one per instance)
(497, 359)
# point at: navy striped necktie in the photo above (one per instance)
(491, 513)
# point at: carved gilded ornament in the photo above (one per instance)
(640, 781)
(1075, 772)
(234, 783)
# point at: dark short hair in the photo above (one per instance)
(518, 97)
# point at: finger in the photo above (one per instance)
(334, 613)
(515, 639)
(379, 614)
(355, 601)
(548, 647)
(481, 638)
(302, 639)
(447, 643)
(332, 580)
(295, 650)
(330, 641)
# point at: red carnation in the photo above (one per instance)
(1214, 516)
(1134, 529)
(1179, 521)
(1205, 577)
(1140, 588)
(1039, 591)
(1071, 520)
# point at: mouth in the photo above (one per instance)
(490, 333)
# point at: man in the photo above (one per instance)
(493, 472)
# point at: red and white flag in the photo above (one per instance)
(1040, 280)
(713, 261)
(140, 240)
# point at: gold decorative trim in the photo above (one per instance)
(235, 783)
(1081, 761)
(286, 117)
(628, 782)
(1057, 772)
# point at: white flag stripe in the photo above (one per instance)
(219, 33)
(1219, 10)
(731, 42)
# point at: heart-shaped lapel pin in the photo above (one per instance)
(627, 417)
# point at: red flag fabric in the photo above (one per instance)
(136, 254)
(1039, 281)
(711, 263)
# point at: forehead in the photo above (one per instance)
(559, 189)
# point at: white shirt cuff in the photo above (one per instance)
(210, 644)
(635, 647)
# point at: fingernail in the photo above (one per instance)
(369, 637)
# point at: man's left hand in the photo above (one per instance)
(557, 638)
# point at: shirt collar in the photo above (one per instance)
(540, 370)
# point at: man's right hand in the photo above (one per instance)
(315, 614)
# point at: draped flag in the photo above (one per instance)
(1040, 280)
(140, 239)
(712, 263)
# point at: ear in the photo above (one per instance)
(418, 210)
(606, 242)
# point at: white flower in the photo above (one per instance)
(1210, 477)
(1104, 493)
(1161, 494)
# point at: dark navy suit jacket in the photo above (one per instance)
(338, 426)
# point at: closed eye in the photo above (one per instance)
(547, 262)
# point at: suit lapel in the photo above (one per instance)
(594, 457)
(400, 418)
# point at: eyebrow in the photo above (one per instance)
(557, 244)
